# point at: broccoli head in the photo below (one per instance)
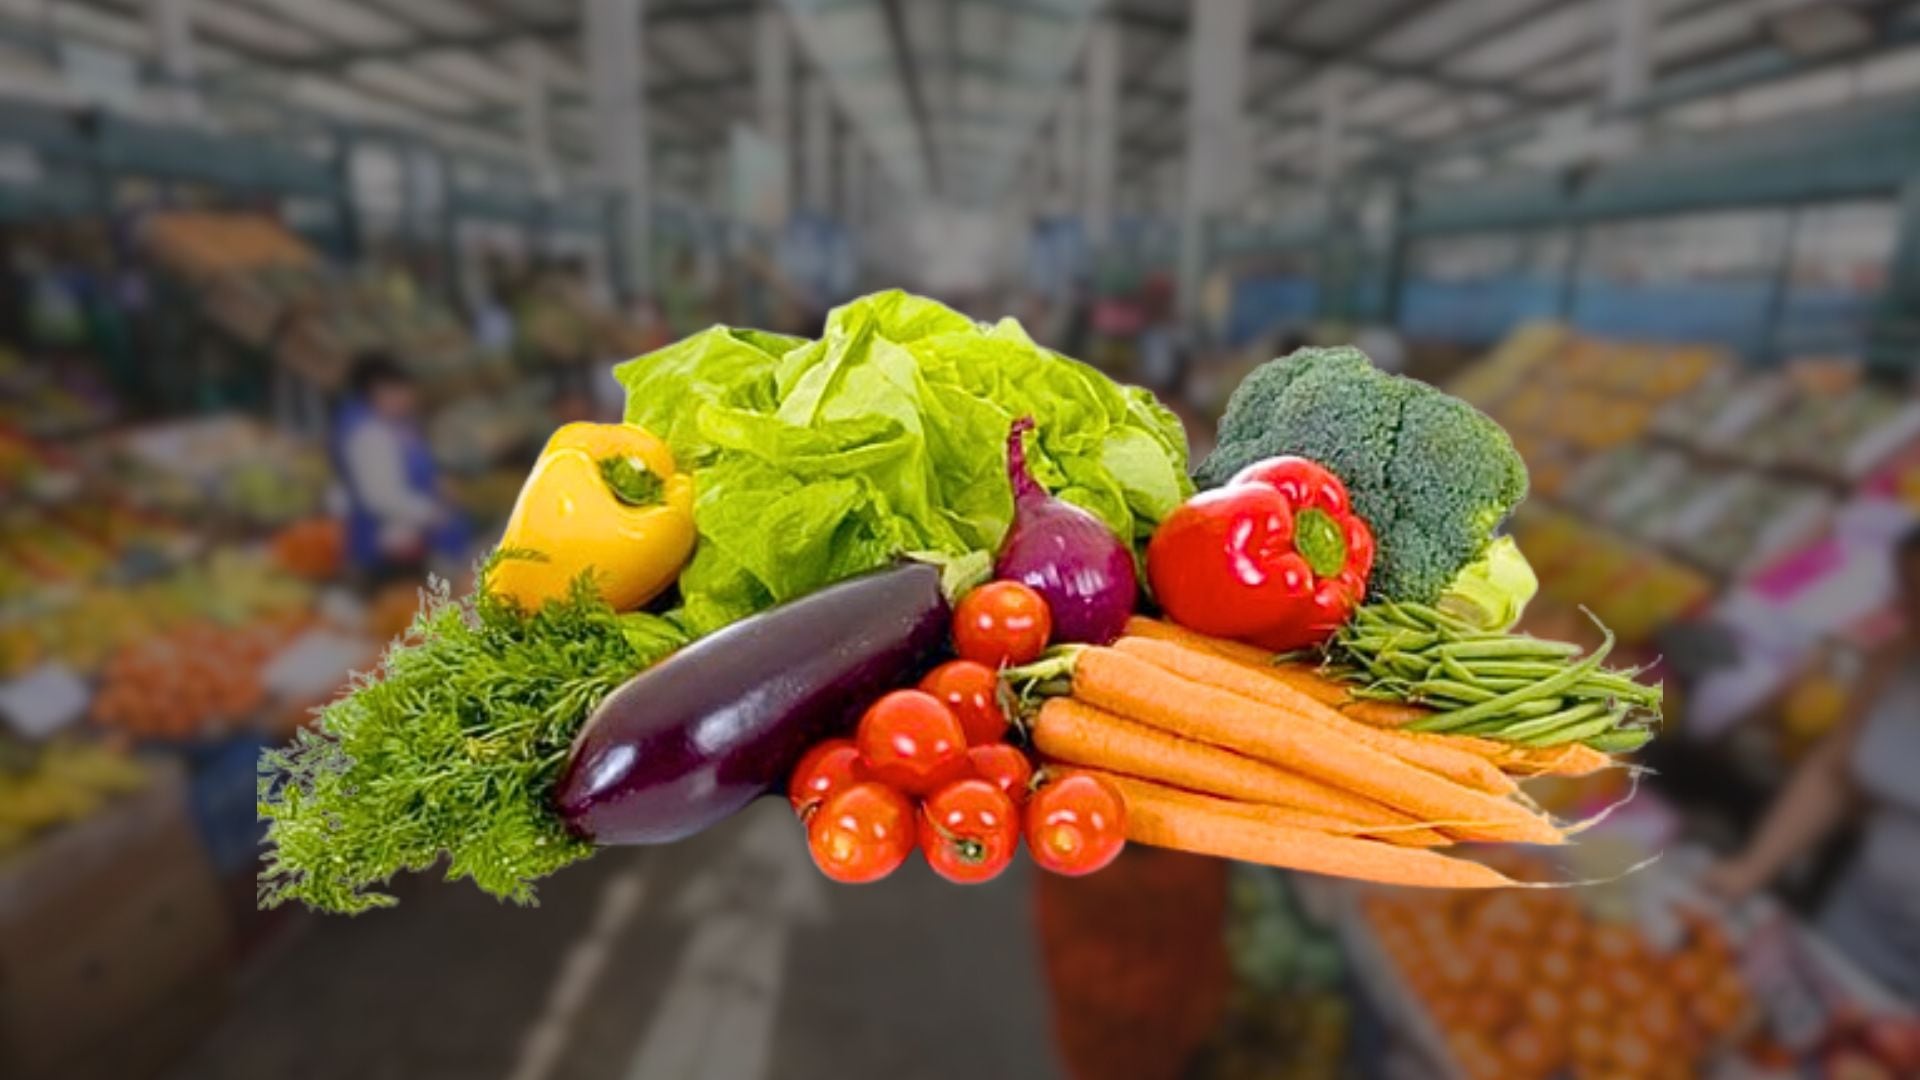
(1433, 476)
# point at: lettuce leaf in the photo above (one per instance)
(818, 460)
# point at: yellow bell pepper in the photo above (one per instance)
(604, 497)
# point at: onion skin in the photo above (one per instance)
(1084, 572)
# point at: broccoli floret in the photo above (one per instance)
(1307, 400)
(1432, 476)
(1454, 478)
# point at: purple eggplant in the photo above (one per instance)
(688, 742)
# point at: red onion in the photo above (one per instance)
(1067, 555)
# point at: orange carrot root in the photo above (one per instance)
(1159, 817)
(1429, 752)
(1079, 734)
(1133, 688)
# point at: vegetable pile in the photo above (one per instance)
(1431, 475)
(772, 577)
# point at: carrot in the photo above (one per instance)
(1079, 734)
(1130, 686)
(1431, 754)
(1383, 714)
(1284, 816)
(1160, 630)
(1573, 759)
(1159, 817)
(1302, 677)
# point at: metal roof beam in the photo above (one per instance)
(1276, 42)
(1721, 71)
(494, 37)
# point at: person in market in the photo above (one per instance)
(398, 521)
(1863, 772)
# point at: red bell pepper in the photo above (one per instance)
(1277, 558)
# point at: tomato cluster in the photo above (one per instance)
(931, 768)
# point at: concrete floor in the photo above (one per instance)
(720, 957)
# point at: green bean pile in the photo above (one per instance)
(1497, 685)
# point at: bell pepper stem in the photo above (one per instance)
(1318, 539)
(631, 481)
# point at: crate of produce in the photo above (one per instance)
(114, 949)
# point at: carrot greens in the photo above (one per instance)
(450, 750)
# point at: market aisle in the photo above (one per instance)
(910, 978)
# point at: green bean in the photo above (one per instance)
(1518, 669)
(1435, 618)
(1533, 710)
(1456, 670)
(1553, 687)
(1621, 740)
(1621, 685)
(1448, 689)
(1577, 732)
(1393, 614)
(1508, 648)
(1587, 691)
(1408, 665)
(1389, 640)
(1379, 692)
(1547, 724)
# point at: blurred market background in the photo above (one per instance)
(1674, 245)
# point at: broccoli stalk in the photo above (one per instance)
(1432, 475)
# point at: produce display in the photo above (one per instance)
(808, 567)
(228, 466)
(196, 680)
(80, 625)
(1632, 587)
(1290, 1017)
(46, 785)
(202, 243)
(314, 549)
(1501, 974)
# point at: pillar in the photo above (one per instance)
(1069, 135)
(1331, 137)
(773, 87)
(171, 23)
(853, 181)
(615, 57)
(536, 123)
(1630, 63)
(1216, 86)
(816, 134)
(1101, 161)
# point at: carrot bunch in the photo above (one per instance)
(1219, 751)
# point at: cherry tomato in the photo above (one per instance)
(1001, 623)
(828, 767)
(911, 741)
(1003, 766)
(969, 831)
(1076, 824)
(862, 833)
(972, 691)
